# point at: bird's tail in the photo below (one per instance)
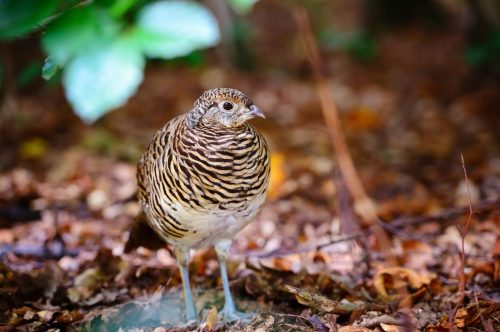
(141, 235)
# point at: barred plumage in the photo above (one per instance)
(204, 177)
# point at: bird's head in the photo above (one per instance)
(223, 107)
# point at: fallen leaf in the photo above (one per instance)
(392, 328)
(85, 285)
(211, 318)
(324, 304)
(291, 263)
(394, 278)
(460, 317)
(354, 329)
(45, 315)
(362, 118)
(277, 176)
(34, 148)
(474, 313)
(417, 254)
(68, 317)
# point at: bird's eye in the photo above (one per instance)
(227, 106)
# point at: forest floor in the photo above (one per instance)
(67, 200)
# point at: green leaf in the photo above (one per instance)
(28, 74)
(76, 30)
(50, 68)
(362, 47)
(103, 78)
(242, 6)
(169, 29)
(119, 8)
(18, 17)
(476, 55)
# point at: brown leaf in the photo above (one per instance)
(211, 318)
(417, 254)
(264, 322)
(323, 304)
(354, 329)
(68, 317)
(394, 278)
(277, 177)
(460, 317)
(443, 326)
(291, 263)
(362, 118)
(392, 328)
(85, 285)
(474, 313)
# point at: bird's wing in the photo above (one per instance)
(151, 161)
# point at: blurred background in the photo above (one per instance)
(85, 84)
(415, 83)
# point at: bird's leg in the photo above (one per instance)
(183, 260)
(229, 311)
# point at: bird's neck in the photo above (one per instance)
(220, 130)
(210, 137)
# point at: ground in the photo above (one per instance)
(67, 198)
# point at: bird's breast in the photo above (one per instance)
(207, 186)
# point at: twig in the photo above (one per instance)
(487, 327)
(348, 223)
(345, 210)
(446, 214)
(363, 204)
(226, 22)
(399, 319)
(332, 119)
(464, 231)
(324, 304)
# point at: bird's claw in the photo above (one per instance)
(231, 314)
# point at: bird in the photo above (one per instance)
(203, 177)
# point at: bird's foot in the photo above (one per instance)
(231, 314)
(191, 319)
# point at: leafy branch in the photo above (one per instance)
(101, 46)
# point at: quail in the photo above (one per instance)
(204, 177)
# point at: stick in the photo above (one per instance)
(362, 203)
(324, 304)
(464, 231)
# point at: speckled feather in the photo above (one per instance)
(200, 181)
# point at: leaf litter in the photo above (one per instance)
(66, 212)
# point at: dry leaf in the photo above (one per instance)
(277, 176)
(400, 277)
(85, 285)
(354, 329)
(417, 254)
(34, 148)
(362, 118)
(324, 304)
(292, 263)
(460, 317)
(211, 318)
(391, 328)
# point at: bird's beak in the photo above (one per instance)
(255, 111)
